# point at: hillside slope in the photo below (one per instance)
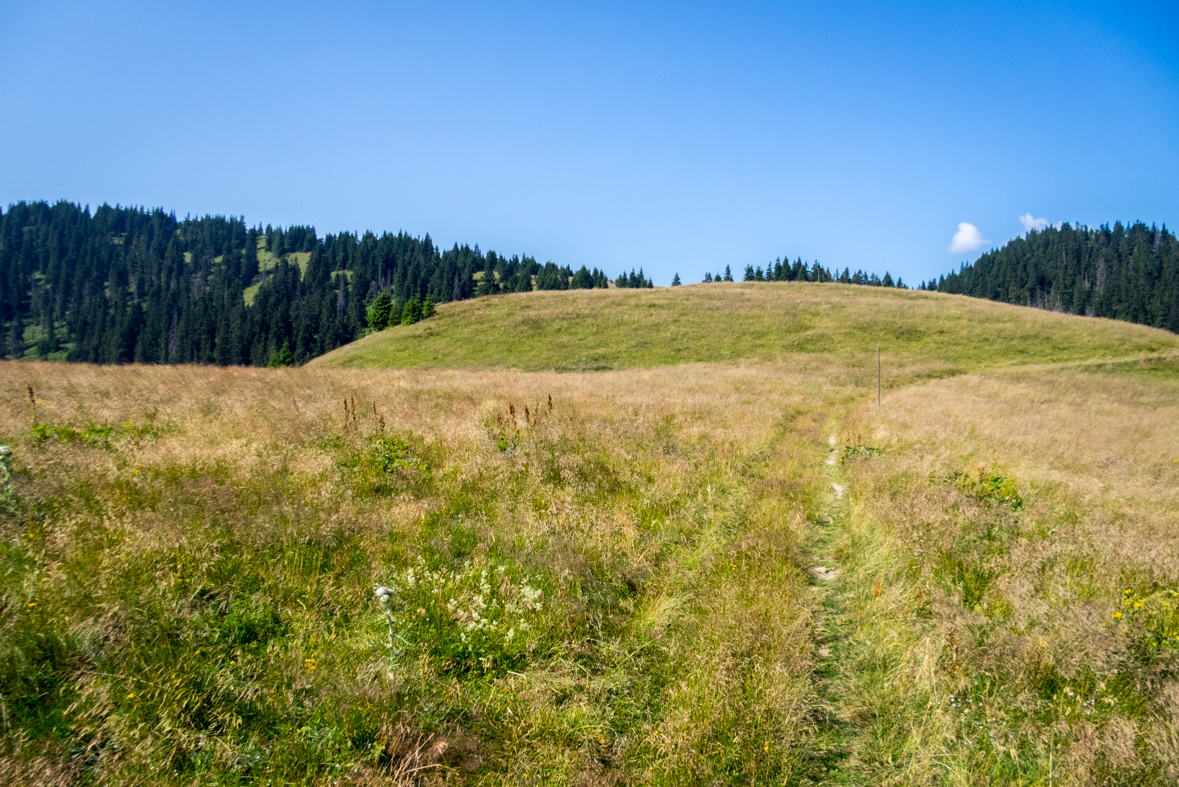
(922, 333)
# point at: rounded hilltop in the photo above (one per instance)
(586, 330)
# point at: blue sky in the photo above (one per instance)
(677, 137)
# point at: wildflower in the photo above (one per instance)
(1117, 615)
(384, 596)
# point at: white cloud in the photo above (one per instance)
(1030, 223)
(967, 238)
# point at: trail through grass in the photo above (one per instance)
(834, 748)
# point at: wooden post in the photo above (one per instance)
(877, 376)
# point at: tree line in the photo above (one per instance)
(1126, 273)
(784, 270)
(126, 284)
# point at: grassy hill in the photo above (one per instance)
(584, 330)
(713, 560)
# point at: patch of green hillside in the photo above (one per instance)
(922, 333)
(267, 261)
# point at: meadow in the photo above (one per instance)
(924, 333)
(714, 562)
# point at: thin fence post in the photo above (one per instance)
(878, 376)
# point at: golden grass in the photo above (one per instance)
(674, 646)
(1034, 643)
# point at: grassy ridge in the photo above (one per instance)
(923, 333)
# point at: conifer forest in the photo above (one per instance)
(1126, 273)
(127, 285)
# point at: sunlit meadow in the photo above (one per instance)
(670, 572)
(586, 578)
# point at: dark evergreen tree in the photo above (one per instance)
(411, 312)
(378, 311)
(582, 280)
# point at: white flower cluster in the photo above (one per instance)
(481, 602)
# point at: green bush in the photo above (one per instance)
(993, 488)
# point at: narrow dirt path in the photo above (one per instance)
(834, 757)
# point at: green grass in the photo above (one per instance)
(922, 334)
(579, 595)
(267, 260)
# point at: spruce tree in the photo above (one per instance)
(412, 312)
(281, 357)
(378, 311)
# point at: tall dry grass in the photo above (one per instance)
(1013, 548)
(187, 593)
